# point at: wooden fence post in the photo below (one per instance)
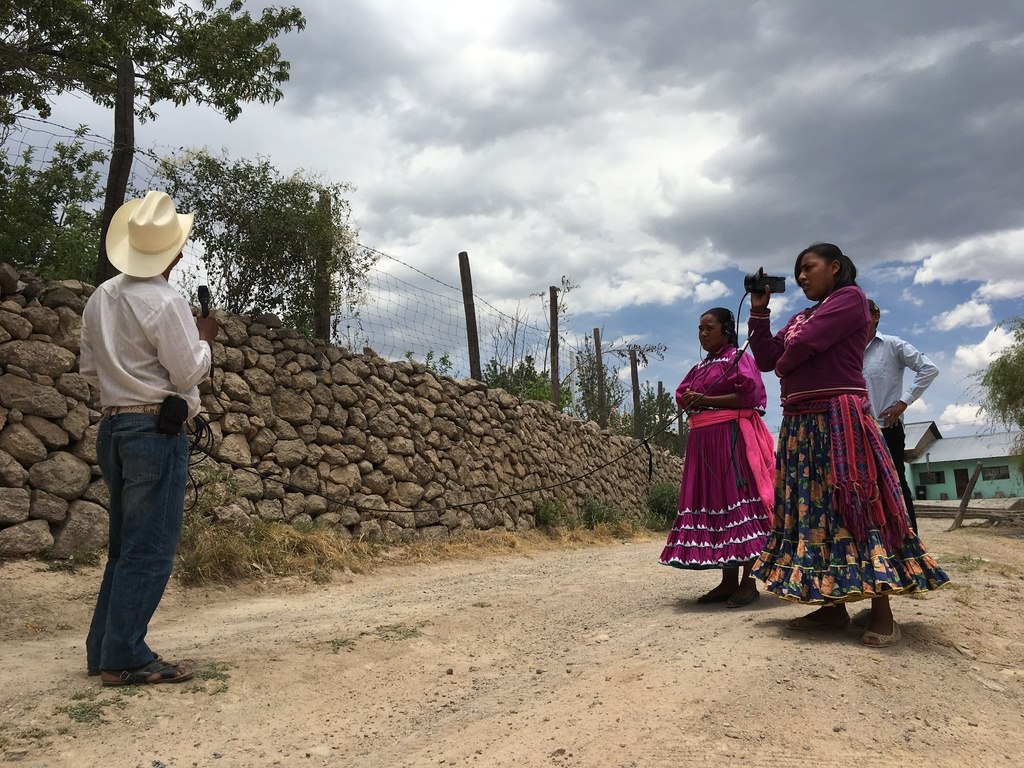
(965, 499)
(661, 408)
(556, 395)
(602, 407)
(634, 375)
(323, 245)
(475, 371)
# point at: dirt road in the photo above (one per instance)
(594, 657)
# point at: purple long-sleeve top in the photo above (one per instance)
(717, 376)
(820, 351)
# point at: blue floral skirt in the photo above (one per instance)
(810, 555)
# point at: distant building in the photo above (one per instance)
(940, 467)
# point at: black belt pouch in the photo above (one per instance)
(173, 412)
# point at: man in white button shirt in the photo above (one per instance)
(885, 360)
(146, 354)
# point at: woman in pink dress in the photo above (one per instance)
(726, 494)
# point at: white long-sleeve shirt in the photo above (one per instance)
(885, 360)
(140, 344)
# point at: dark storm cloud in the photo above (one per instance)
(915, 156)
(358, 57)
(876, 125)
(347, 54)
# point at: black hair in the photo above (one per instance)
(847, 274)
(728, 323)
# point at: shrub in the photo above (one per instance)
(662, 506)
(551, 514)
(597, 513)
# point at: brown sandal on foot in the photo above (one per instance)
(157, 671)
(875, 640)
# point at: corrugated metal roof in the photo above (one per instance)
(918, 438)
(915, 430)
(985, 446)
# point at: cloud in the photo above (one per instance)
(1002, 289)
(956, 415)
(907, 296)
(978, 356)
(994, 259)
(709, 291)
(919, 406)
(971, 314)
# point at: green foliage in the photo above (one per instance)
(593, 513)
(396, 632)
(340, 643)
(207, 52)
(654, 414)
(283, 245)
(551, 514)
(597, 513)
(439, 366)
(1003, 385)
(50, 214)
(662, 505)
(522, 379)
(585, 400)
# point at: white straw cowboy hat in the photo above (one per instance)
(146, 235)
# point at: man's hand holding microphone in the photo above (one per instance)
(207, 323)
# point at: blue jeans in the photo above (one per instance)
(146, 473)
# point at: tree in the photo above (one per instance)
(584, 404)
(218, 56)
(1003, 384)
(132, 54)
(49, 214)
(271, 243)
(522, 380)
(652, 418)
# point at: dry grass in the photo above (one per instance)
(211, 552)
(214, 553)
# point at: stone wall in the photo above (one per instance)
(301, 431)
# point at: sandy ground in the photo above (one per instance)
(594, 657)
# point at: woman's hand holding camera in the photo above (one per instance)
(759, 301)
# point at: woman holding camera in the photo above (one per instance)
(726, 491)
(840, 530)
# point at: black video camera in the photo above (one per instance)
(759, 281)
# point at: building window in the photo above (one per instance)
(933, 478)
(996, 473)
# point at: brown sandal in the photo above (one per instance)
(875, 640)
(157, 671)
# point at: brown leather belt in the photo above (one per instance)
(114, 410)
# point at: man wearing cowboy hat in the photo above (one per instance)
(146, 354)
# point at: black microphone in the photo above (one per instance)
(204, 300)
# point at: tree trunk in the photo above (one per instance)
(120, 161)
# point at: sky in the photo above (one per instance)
(655, 151)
